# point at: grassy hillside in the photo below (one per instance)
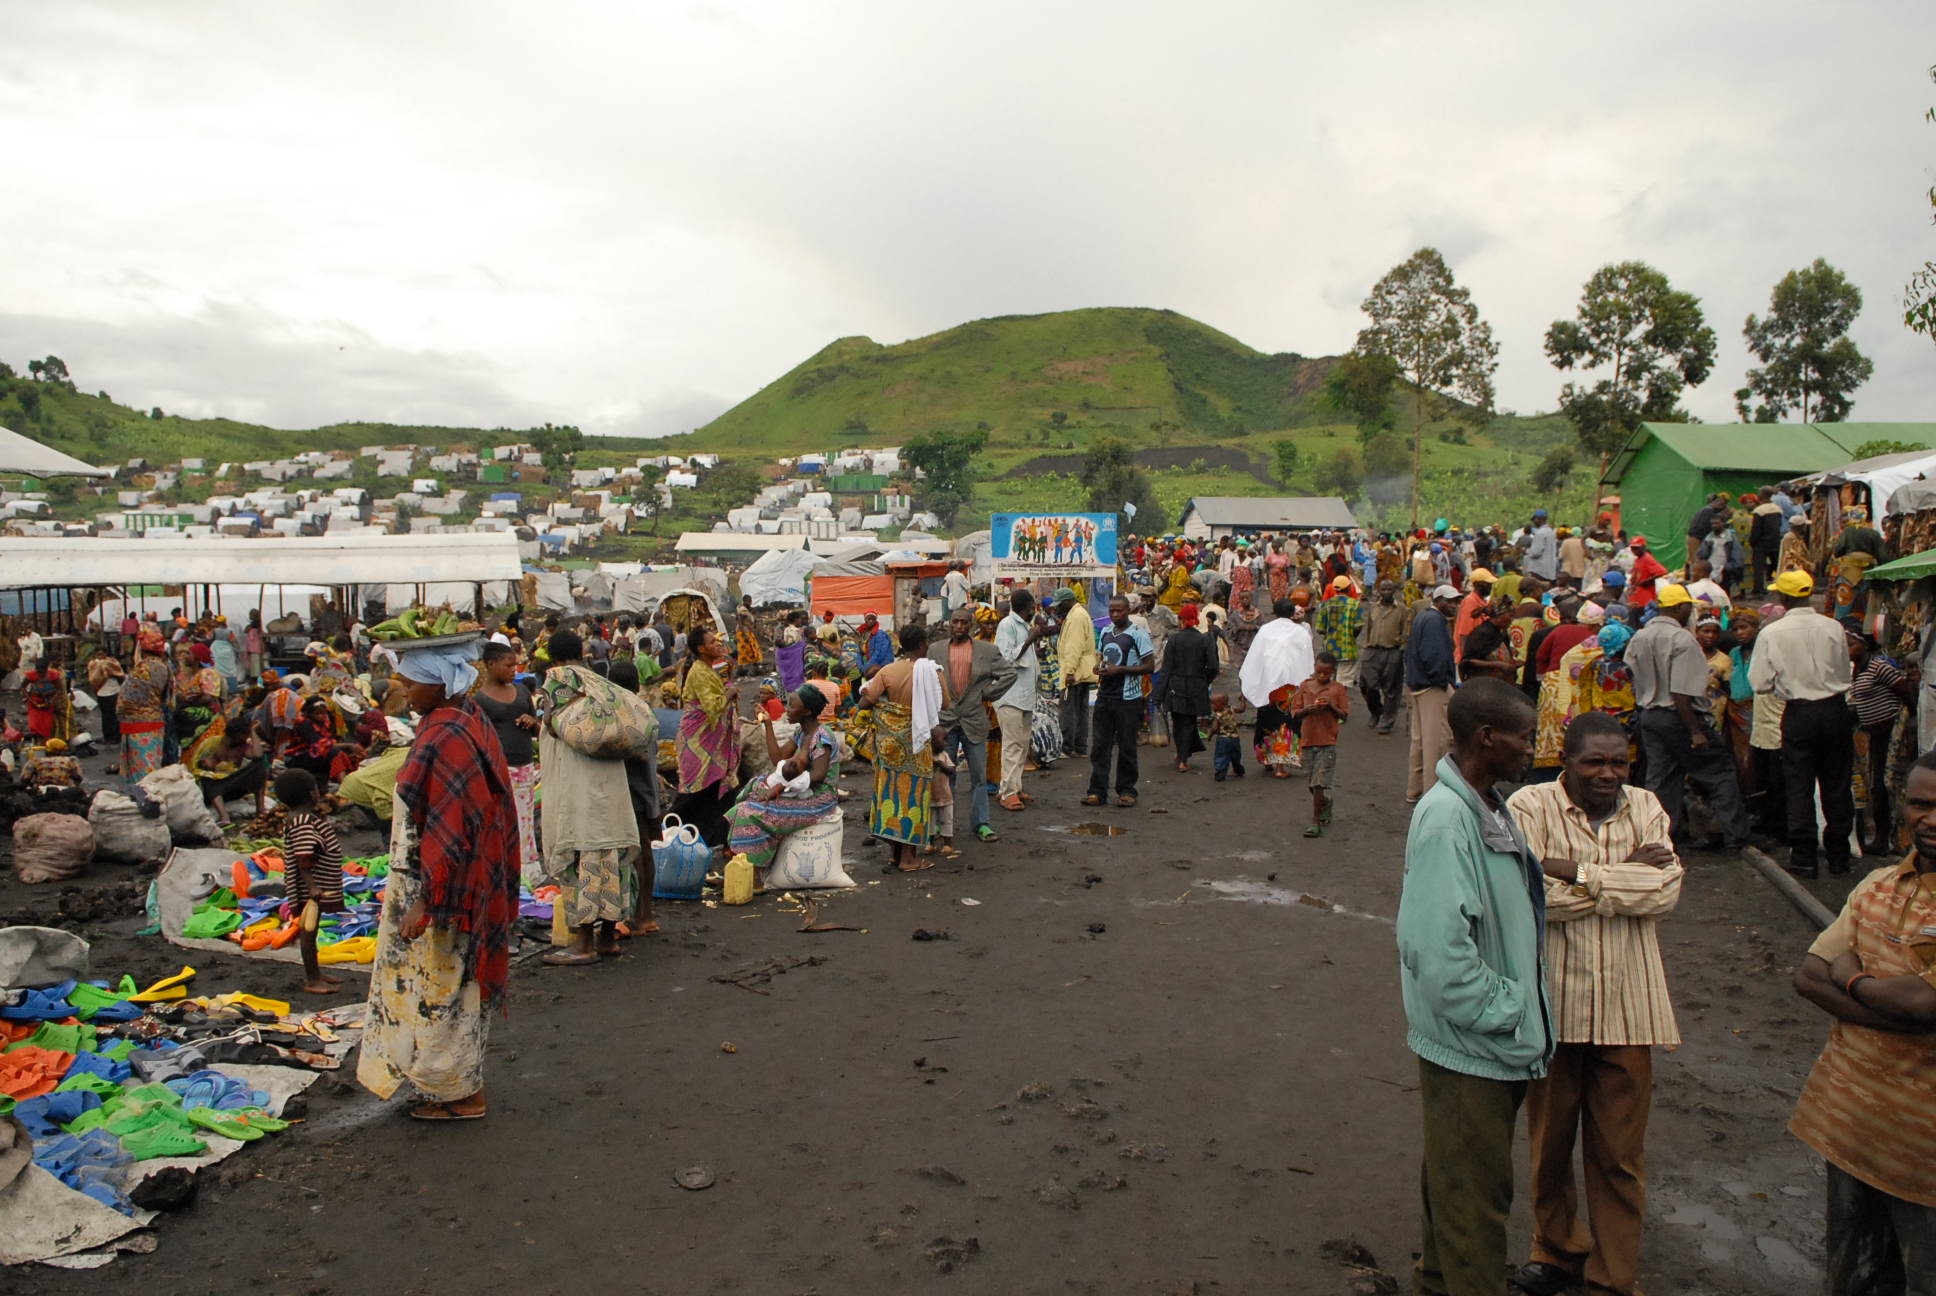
(97, 429)
(1135, 372)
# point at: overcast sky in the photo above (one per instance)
(632, 216)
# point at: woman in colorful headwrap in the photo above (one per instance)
(146, 707)
(987, 621)
(225, 657)
(591, 835)
(1559, 688)
(1245, 622)
(764, 817)
(907, 696)
(443, 944)
(1607, 684)
(708, 739)
(1176, 584)
(50, 710)
(1857, 549)
(198, 695)
(1242, 579)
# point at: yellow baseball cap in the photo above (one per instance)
(1672, 595)
(1794, 584)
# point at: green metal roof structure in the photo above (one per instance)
(1666, 471)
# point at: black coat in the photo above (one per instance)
(1189, 665)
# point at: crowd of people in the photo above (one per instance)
(1641, 713)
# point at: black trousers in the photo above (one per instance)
(1881, 735)
(1818, 749)
(1876, 1242)
(1381, 678)
(1184, 736)
(1673, 761)
(1116, 723)
(1075, 718)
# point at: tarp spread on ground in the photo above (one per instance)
(102, 1084)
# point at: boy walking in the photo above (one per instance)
(1320, 705)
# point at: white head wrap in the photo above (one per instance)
(449, 666)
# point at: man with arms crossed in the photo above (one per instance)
(1610, 875)
(1867, 1105)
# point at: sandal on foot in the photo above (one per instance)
(1314, 831)
(560, 958)
(1126, 802)
(437, 1111)
(921, 867)
(1092, 800)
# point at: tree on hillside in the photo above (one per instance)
(947, 464)
(1112, 478)
(51, 370)
(1809, 365)
(1284, 457)
(1426, 325)
(1653, 337)
(1360, 388)
(1919, 294)
(1386, 463)
(557, 444)
(1342, 474)
(1551, 472)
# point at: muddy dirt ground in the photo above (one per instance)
(1170, 1060)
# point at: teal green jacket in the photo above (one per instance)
(1472, 937)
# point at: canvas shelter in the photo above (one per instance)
(1666, 471)
(19, 454)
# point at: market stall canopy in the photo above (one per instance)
(1883, 475)
(1911, 497)
(1914, 567)
(296, 560)
(19, 454)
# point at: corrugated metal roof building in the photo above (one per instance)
(1212, 517)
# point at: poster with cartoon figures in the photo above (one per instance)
(1058, 546)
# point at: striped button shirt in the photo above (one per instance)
(1603, 966)
(1866, 1105)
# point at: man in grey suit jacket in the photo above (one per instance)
(973, 672)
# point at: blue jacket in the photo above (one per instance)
(1428, 651)
(1472, 937)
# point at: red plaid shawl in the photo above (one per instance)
(458, 791)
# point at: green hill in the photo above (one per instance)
(1029, 380)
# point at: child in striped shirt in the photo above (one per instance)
(312, 878)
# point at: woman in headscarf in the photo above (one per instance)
(987, 620)
(1176, 585)
(747, 639)
(50, 709)
(1857, 549)
(224, 656)
(1242, 580)
(198, 692)
(443, 944)
(1277, 572)
(766, 815)
(313, 743)
(1606, 684)
(1245, 622)
(907, 696)
(1794, 548)
(1189, 667)
(513, 714)
(146, 707)
(591, 836)
(708, 739)
(1559, 688)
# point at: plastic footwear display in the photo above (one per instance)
(174, 987)
(167, 1140)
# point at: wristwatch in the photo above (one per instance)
(1579, 881)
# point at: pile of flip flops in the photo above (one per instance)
(97, 1077)
(252, 911)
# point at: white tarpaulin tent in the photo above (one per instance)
(232, 601)
(468, 556)
(19, 454)
(779, 577)
(977, 550)
(1884, 475)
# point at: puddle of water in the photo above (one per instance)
(1087, 829)
(1264, 893)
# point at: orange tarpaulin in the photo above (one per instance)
(854, 595)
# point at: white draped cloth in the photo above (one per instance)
(927, 698)
(1281, 654)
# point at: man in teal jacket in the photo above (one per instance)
(1471, 942)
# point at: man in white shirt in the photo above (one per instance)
(954, 590)
(1803, 660)
(1675, 718)
(1542, 548)
(1702, 585)
(1015, 640)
